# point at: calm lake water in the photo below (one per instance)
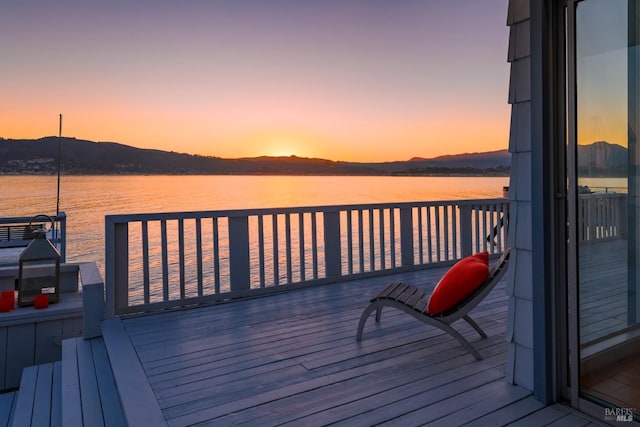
(87, 199)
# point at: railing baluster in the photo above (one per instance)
(181, 256)
(437, 213)
(287, 228)
(165, 260)
(485, 227)
(276, 256)
(454, 230)
(261, 250)
(372, 252)
(492, 227)
(445, 210)
(216, 255)
(145, 262)
(477, 227)
(301, 246)
(360, 241)
(350, 241)
(429, 235)
(392, 236)
(314, 243)
(503, 223)
(420, 237)
(199, 256)
(383, 255)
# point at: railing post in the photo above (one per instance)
(466, 231)
(406, 236)
(239, 273)
(92, 300)
(332, 253)
(116, 265)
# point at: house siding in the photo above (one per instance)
(519, 333)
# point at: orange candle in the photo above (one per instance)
(41, 301)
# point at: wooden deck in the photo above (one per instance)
(603, 289)
(292, 359)
(287, 359)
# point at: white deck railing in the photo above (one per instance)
(602, 216)
(161, 260)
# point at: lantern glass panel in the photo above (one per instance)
(38, 278)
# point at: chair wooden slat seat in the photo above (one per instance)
(414, 301)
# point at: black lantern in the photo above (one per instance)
(39, 272)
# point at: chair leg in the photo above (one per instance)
(363, 319)
(474, 325)
(379, 304)
(466, 344)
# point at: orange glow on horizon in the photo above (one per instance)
(233, 80)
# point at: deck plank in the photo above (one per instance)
(71, 402)
(56, 395)
(544, 416)
(43, 396)
(110, 403)
(24, 405)
(138, 402)
(509, 413)
(6, 407)
(89, 395)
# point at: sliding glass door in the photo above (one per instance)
(606, 190)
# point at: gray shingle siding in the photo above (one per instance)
(518, 11)
(519, 333)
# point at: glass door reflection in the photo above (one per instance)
(608, 217)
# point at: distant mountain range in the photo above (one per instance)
(40, 156)
(602, 159)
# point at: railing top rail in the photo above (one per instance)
(118, 218)
(25, 219)
(601, 195)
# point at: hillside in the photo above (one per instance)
(602, 159)
(40, 156)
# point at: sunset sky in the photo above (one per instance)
(358, 80)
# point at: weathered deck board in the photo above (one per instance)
(138, 403)
(292, 359)
(37, 403)
(90, 396)
(7, 402)
(603, 288)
